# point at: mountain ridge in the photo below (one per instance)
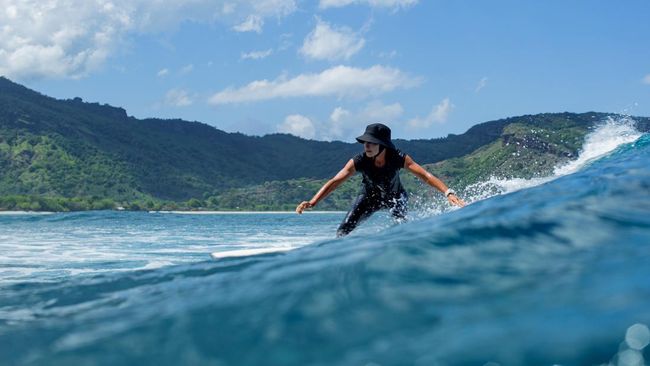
(51, 148)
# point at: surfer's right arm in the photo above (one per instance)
(340, 177)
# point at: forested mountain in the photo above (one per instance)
(69, 154)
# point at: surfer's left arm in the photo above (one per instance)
(432, 180)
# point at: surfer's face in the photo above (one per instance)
(370, 149)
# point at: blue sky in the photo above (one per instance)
(324, 69)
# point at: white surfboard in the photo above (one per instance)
(248, 252)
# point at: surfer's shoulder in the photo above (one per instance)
(358, 160)
(399, 157)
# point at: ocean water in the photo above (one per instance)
(552, 271)
(54, 247)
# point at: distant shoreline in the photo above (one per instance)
(240, 212)
(177, 212)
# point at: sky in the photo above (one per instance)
(324, 69)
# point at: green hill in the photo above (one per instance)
(70, 155)
(528, 147)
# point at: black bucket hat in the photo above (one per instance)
(377, 133)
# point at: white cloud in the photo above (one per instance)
(285, 41)
(389, 55)
(337, 124)
(346, 125)
(257, 55)
(62, 38)
(47, 38)
(328, 43)
(439, 114)
(277, 8)
(339, 81)
(379, 112)
(228, 8)
(298, 125)
(393, 4)
(187, 69)
(254, 23)
(646, 79)
(178, 98)
(481, 84)
(342, 124)
(339, 114)
(163, 72)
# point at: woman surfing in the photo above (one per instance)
(379, 163)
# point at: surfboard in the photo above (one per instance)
(248, 252)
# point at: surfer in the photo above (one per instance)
(379, 163)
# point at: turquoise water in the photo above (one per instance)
(42, 247)
(554, 272)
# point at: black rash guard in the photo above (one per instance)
(381, 182)
(382, 188)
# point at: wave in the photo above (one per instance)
(612, 133)
(551, 274)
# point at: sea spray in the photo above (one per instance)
(606, 137)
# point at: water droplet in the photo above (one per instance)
(637, 336)
(630, 357)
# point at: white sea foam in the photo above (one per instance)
(44, 250)
(156, 264)
(605, 138)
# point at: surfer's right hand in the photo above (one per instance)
(455, 200)
(303, 206)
